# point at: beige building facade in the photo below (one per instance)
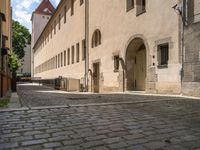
(113, 45)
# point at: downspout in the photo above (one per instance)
(183, 17)
(1, 93)
(86, 43)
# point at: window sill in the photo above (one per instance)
(116, 70)
(162, 66)
(140, 13)
(129, 9)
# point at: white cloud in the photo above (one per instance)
(22, 10)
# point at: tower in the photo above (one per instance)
(40, 18)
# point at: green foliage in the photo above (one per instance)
(20, 38)
(14, 62)
(4, 102)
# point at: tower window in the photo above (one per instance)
(65, 14)
(81, 2)
(141, 7)
(72, 7)
(129, 4)
(59, 24)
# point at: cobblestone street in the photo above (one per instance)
(140, 123)
(34, 96)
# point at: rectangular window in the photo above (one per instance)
(81, 2)
(51, 31)
(45, 39)
(83, 49)
(163, 55)
(65, 14)
(55, 27)
(58, 60)
(68, 55)
(48, 36)
(59, 25)
(141, 7)
(65, 57)
(116, 63)
(129, 4)
(61, 59)
(72, 54)
(77, 52)
(72, 7)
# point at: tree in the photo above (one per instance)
(20, 38)
(14, 62)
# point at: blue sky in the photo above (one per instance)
(22, 10)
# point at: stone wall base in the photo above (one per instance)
(191, 89)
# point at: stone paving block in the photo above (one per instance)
(21, 138)
(137, 147)
(8, 145)
(113, 140)
(101, 148)
(174, 147)
(90, 144)
(32, 133)
(69, 148)
(52, 145)
(73, 142)
(58, 138)
(41, 136)
(33, 142)
(155, 145)
(120, 145)
(133, 136)
(98, 137)
(10, 135)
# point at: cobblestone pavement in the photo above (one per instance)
(159, 125)
(34, 96)
(162, 125)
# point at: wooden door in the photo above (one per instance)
(96, 77)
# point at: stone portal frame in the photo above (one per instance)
(148, 60)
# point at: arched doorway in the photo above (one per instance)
(136, 65)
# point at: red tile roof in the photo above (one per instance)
(45, 7)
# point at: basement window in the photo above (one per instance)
(163, 55)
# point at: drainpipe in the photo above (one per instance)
(86, 43)
(1, 58)
(183, 17)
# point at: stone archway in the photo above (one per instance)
(136, 65)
